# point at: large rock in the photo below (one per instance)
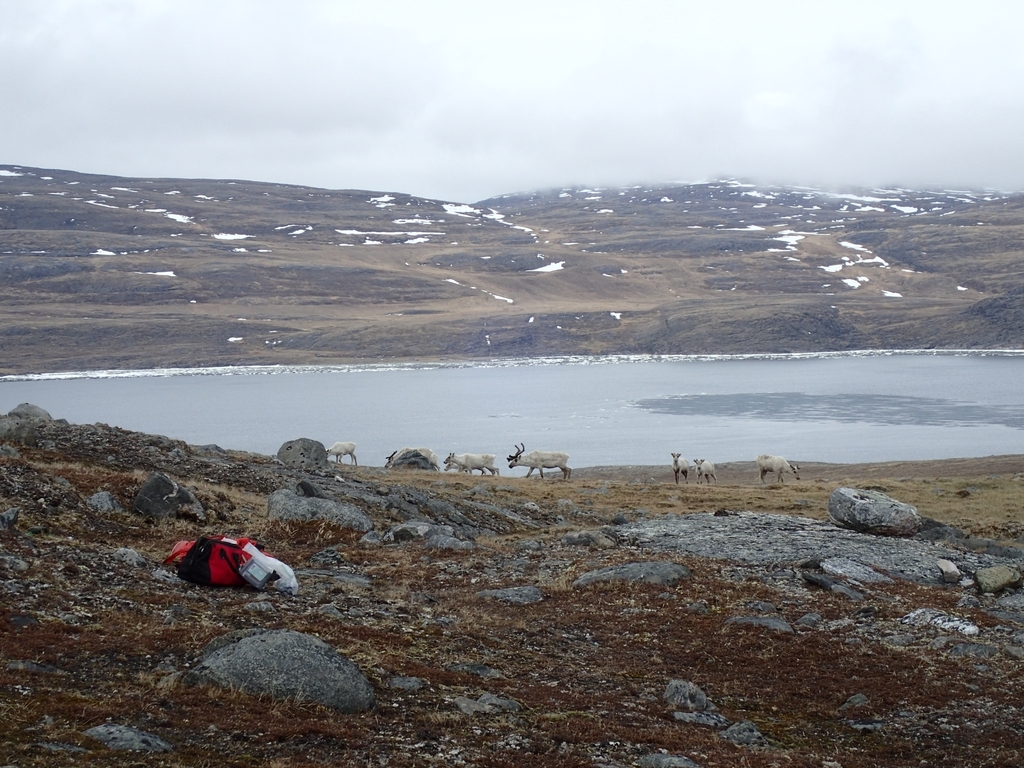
(285, 504)
(286, 664)
(17, 430)
(303, 453)
(997, 578)
(413, 458)
(654, 572)
(30, 412)
(161, 497)
(872, 512)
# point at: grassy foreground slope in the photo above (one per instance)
(91, 633)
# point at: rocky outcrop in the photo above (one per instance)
(303, 454)
(285, 664)
(872, 512)
(285, 504)
(664, 574)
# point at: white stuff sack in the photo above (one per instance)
(286, 581)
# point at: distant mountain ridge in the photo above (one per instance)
(112, 272)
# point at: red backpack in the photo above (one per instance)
(213, 561)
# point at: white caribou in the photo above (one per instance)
(467, 462)
(775, 465)
(342, 449)
(705, 470)
(680, 466)
(540, 460)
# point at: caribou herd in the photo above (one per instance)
(424, 458)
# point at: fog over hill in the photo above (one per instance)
(112, 272)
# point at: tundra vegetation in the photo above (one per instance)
(487, 654)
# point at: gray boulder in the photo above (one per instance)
(17, 430)
(592, 539)
(417, 529)
(124, 738)
(285, 664)
(412, 458)
(303, 453)
(652, 572)
(104, 501)
(285, 504)
(683, 693)
(744, 733)
(9, 452)
(872, 512)
(161, 497)
(30, 412)
(996, 578)
(9, 519)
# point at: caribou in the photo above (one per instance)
(467, 462)
(540, 460)
(342, 449)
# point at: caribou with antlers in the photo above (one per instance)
(540, 460)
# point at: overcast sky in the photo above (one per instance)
(465, 100)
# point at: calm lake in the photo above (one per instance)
(624, 410)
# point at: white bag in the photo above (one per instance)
(286, 581)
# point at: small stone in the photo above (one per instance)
(769, 622)
(165, 576)
(331, 610)
(403, 683)
(592, 539)
(857, 700)
(666, 761)
(480, 670)
(683, 693)
(979, 650)
(104, 501)
(499, 704)
(900, 641)
(950, 573)
(125, 738)
(260, 606)
(469, 706)
(811, 620)
(866, 726)
(513, 595)
(130, 557)
(744, 733)
(707, 719)
(9, 518)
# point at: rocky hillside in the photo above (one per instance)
(490, 621)
(110, 272)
